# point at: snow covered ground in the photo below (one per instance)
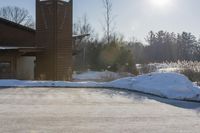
(170, 66)
(169, 85)
(159, 67)
(167, 67)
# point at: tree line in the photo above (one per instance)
(122, 55)
(166, 46)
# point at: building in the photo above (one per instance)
(41, 54)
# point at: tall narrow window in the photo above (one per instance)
(5, 70)
(5, 67)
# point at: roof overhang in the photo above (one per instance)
(22, 50)
(79, 37)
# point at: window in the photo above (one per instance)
(5, 67)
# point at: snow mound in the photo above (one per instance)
(99, 76)
(168, 85)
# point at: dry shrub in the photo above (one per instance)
(192, 75)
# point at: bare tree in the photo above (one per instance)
(83, 27)
(17, 15)
(109, 20)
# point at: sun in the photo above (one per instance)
(161, 3)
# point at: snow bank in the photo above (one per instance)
(169, 85)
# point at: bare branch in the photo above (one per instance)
(109, 20)
(17, 15)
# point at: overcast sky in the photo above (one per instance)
(135, 17)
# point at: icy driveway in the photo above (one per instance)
(56, 110)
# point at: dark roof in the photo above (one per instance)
(24, 51)
(13, 24)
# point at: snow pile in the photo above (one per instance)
(169, 85)
(99, 76)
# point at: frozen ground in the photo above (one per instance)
(66, 110)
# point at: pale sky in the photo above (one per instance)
(135, 17)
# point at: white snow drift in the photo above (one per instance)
(169, 85)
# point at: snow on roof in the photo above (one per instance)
(2, 47)
(76, 37)
(20, 48)
(7, 48)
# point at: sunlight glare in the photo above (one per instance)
(161, 3)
